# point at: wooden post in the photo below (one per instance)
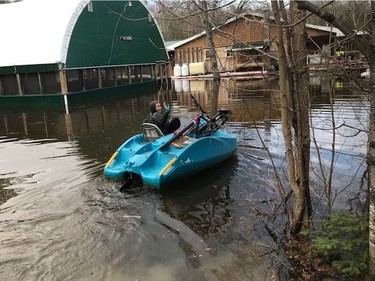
(40, 84)
(68, 125)
(63, 84)
(24, 120)
(64, 89)
(129, 74)
(152, 73)
(19, 87)
(100, 84)
(116, 75)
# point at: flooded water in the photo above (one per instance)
(60, 219)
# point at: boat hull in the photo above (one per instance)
(158, 168)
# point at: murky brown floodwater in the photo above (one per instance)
(60, 219)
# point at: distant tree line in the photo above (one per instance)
(180, 19)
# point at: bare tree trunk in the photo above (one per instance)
(301, 116)
(371, 164)
(366, 45)
(285, 106)
(371, 147)
(294, 113)
(211, 46)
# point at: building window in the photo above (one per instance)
(74, 80)
(50, 82)
(135, 73)
(90, 78)
(108, 77)
(229, 53)
(9, 85)
(30, 83)
(147, 72)
(122, 75)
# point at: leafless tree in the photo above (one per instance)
(365, 43)
(291, 44)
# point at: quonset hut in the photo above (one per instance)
(58, 48)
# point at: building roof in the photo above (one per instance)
(177, 44)
(335, 30)
(27, 24)
(169, 43)
(78, 33)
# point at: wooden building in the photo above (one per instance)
(246, 43)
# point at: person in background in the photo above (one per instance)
(161, 119)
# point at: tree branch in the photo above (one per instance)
(328, 17)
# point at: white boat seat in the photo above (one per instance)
(151, 131)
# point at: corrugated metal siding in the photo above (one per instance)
(96, 38)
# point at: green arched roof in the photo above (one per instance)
(78, 33)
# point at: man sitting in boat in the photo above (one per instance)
(161, 119)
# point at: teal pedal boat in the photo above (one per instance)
(158, 161)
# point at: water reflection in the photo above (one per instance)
(249, 101)
(43, 123)
(202, 203)
(76, 225)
